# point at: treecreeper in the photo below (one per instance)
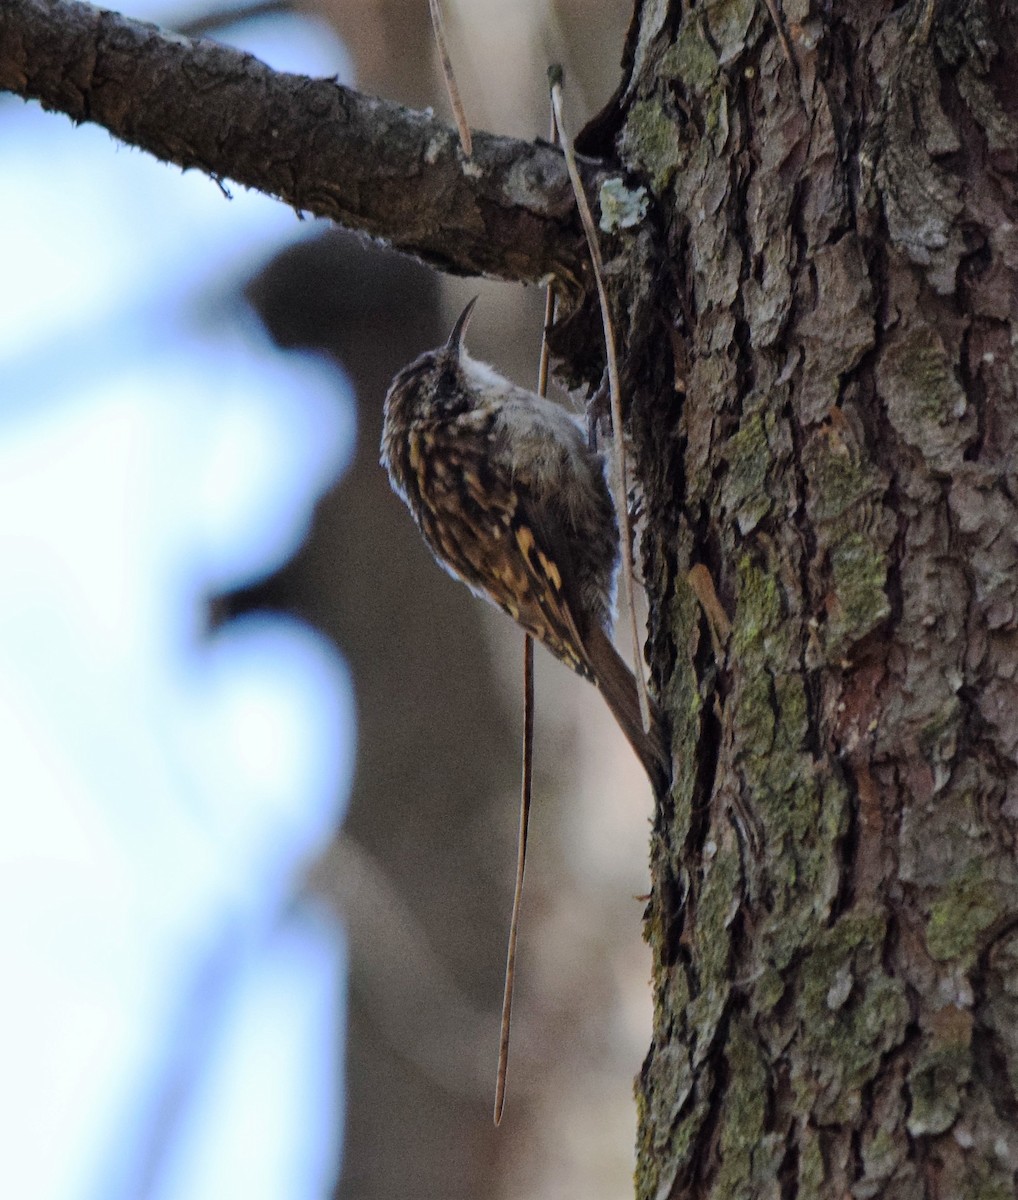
(512, 501)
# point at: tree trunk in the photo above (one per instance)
(816, 294)
(834, 911)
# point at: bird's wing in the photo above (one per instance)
(485, 529)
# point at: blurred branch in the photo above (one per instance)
(223, 18)
(409, 992)
(368, 164)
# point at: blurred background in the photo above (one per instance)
(259, 757)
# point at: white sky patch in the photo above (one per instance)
(295, 1033)
(169, 1020)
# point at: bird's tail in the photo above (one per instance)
(616, 683)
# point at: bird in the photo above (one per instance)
(512, 501)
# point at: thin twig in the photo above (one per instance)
(779, 29)
(549, 317)
(528, 772)
(521, 861)
(458, 112)
(223, 18)
(718, 624)
(619, 457)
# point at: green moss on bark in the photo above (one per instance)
(651, 143)
(940, 1072)
(748, 455)
(852, 1014)
(859, 602)
(691, 60)
(969, 905)
(745, 1111)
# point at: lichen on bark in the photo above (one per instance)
(839, 229)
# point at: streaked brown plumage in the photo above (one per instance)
(511, 500)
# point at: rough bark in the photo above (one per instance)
(818, 310)
(835, 898)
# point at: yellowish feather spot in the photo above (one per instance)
(550, 570)
(473, 483)
(525, 541)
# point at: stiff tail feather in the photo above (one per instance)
(616, 683)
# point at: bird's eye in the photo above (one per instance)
(448, 380)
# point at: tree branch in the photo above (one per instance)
(368, 164)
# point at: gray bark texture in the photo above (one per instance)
(835, 909)
(816, 298)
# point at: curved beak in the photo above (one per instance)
(455, 342)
